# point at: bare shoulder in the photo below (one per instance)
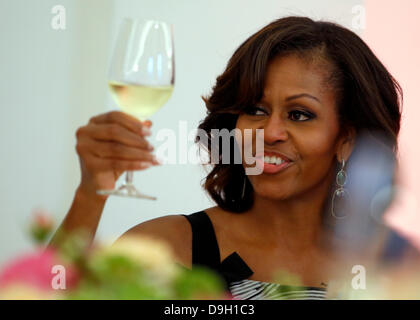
(175, 230)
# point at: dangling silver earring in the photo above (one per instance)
(340, 193)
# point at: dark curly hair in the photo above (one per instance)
(367, 96)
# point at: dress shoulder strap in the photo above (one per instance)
(205, 249)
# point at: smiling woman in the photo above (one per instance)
(313, 88)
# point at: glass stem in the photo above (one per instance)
(129, 178)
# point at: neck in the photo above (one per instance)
(296, 222)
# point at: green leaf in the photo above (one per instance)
(198, 283)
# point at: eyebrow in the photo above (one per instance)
(307, 95)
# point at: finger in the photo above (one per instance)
(123, 119)
(101, 165)
(116, 133)
(116, 150)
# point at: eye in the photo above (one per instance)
(300, 116)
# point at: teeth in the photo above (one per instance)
(273, 160)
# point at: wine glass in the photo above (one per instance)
(141, 77)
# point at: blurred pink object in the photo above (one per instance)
(35, 270)
(392, 32)
(41, 227)
(43, 219)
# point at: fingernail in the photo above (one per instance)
(145, 165)
(150, 147)
(156, 160)
(148, 123)
(146, 131)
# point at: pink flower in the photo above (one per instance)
(36, 270)
(41, 226)
(42, 219)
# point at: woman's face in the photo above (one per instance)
(300, 121)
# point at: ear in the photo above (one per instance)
(345, 144)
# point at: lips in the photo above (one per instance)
(273, 162)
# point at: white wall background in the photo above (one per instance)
(52, 82)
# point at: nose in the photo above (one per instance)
(274, 130)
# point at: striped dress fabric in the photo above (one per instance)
(235, 272)
(257, 290)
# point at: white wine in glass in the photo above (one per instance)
(141, 77)
(139, 100)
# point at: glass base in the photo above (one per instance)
(126, 190)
